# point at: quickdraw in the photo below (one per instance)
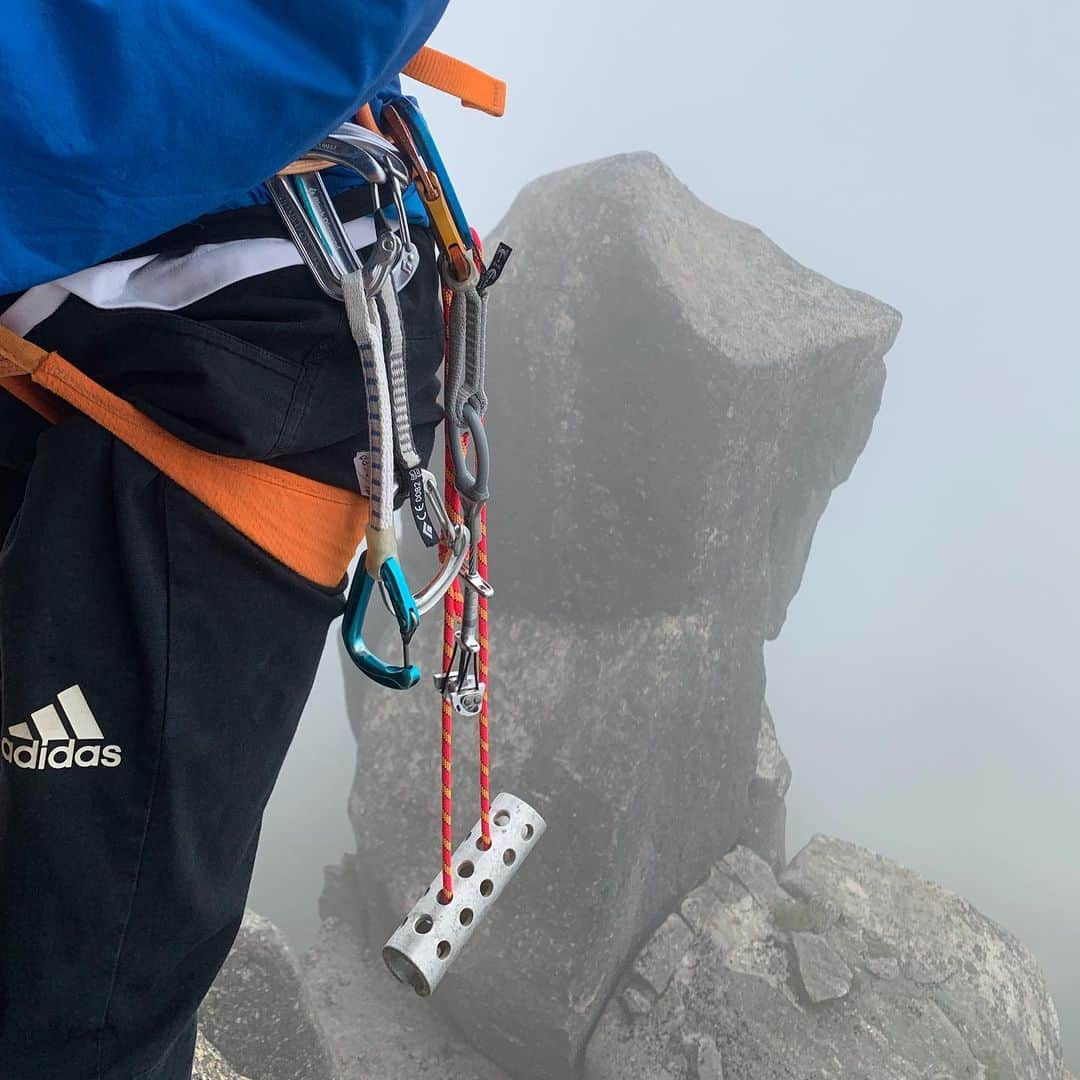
(445, 916)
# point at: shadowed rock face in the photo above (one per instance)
(259, 1014)
(848, 968)
(672, 401)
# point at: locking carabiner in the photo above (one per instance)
(379, 565)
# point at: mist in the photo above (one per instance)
(923, 685)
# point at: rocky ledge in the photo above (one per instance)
(847, 967)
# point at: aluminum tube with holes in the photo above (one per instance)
(433, 933)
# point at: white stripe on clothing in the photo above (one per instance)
(166, 282)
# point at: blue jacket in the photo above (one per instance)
(124, 119)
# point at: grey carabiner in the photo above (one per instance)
(385, 257)
(324, 215)
(314, 252)
(359, 135)
(457, 539)
(335, 256)
(343, 152)
(472, 485)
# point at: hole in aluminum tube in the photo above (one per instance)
(443, 898)
(502, 818)
(443, 950)
(509, 856)
(424, 924)
(527, 833)
(466, 916)
(487, 887)
(466, 869)
(480, 845)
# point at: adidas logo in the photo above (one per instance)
(43, 742)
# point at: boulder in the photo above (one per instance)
(673, 399)
(259, 1012)
(983, 979)
(822, 971)
(848, 968)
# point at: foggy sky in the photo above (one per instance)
(924, 687)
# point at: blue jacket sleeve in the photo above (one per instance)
(124, 119)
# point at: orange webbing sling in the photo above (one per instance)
(475, 89)
(313, 528)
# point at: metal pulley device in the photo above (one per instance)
(473, 876)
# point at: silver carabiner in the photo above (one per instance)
(456, 539)
(314, 252)
(317, 229)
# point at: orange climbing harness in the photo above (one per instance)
(312, 528)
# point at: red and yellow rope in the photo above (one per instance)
(453, 604)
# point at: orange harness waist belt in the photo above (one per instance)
(312, 528)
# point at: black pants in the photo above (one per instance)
(155, 663)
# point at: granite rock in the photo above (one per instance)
(673, 399)
(901, 980)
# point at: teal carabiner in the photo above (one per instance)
(396, 590)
